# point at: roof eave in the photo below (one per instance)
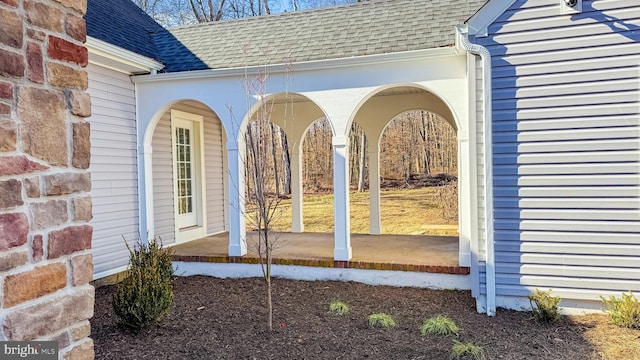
(120, 59)
(302, 66)
(479, 23)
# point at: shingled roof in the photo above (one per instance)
(124, 24)
(360, 29)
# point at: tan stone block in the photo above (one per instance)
(84, 351)
(81, 145)
(44, 16)
(14, 230)
(10, 194)
(10, 28)
(67, 77)
(11, 64)
(34, 283)
(36, 34)
(80, 102)
(78, 5)
(5, 109)
(35, 70)
(67, 183)
(82, 209)
(44, 126)
(82, 269)
(61, 49)
(76, 27)
(12, 259)
(32, 187)
(15, 165)
(62, 338)
(49, 316)
(69, 240)
(8, 136)
(49, 214)
(37, 248)
(80, 331)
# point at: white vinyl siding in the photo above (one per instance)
(163, 172)
(566, 130)
(113, 169)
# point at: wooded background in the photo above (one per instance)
(415, 145)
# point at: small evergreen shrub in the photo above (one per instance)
(544, 307)
(338, 308)
(623, 311)
(438, 325)
(461, 350)
(146, 294)
(381, 321)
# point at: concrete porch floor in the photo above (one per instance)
(418, 253)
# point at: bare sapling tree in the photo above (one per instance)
(263, 200)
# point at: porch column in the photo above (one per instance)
(237, 220)
(297, 220)
(375, 227)
(342, 250)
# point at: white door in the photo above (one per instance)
(185, 165)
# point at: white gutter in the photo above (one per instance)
(301, 66)
(109, 51)
(485, 55)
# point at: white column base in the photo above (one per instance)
(342, 254)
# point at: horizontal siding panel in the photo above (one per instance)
(571, 214)
(559, 247)
(569, 157)
(568, 100)
(574, 180)
(566, 203)
(567, 259)
(568, 169)
(592, 272)
(625, 47)
(610, 133)
(578, 238)
(568, 282)
(585, 77)
(563, 146)
(566, 112)
(568, 226)
(568, 192)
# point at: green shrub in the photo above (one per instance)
(544, 307)
(623, 311)
(146, 294)
(381, 320)
(338, 308)
(466, 351)
(439, 325)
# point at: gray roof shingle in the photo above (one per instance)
(360, 29)
(124, 24)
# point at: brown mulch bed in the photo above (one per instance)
(216, 318)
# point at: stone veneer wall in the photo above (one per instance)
(45, 202)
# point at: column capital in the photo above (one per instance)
(340, 140)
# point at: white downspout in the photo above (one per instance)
(485, 55)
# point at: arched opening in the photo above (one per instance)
(419, 172)
(186, 182)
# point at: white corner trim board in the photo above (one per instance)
(485, 55)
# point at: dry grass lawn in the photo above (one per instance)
(403, 211)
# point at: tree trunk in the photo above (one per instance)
(286, 163)
(363, 158)
(274, 155)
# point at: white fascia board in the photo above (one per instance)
(112, 52)
(478, 24)
(302, 66)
